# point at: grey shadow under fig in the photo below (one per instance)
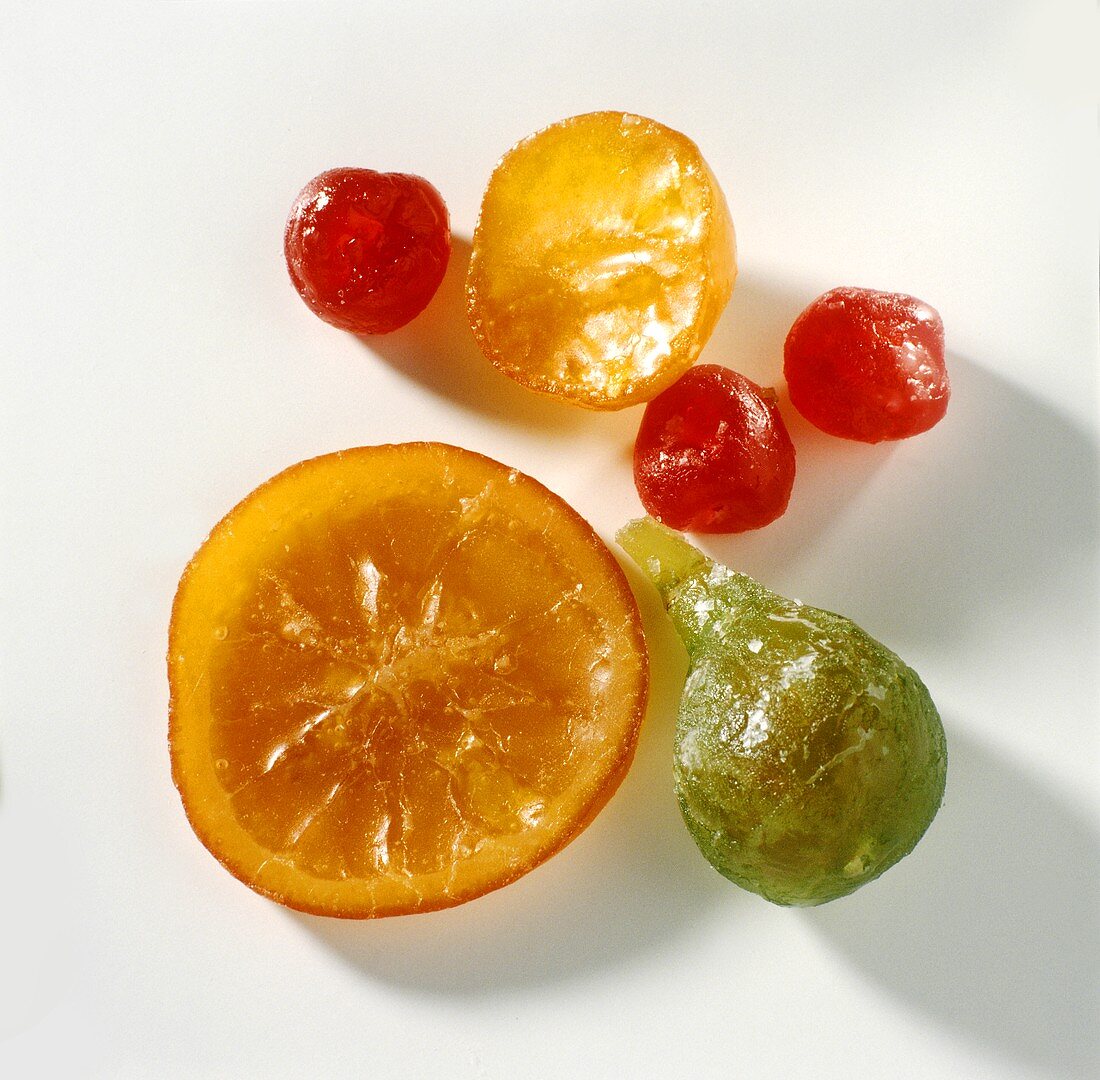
(992, 926)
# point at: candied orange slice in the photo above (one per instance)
(603, 255)
(401, 676)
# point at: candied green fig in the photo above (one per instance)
(808, 757)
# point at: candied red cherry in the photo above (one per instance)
(713, 454)
(367, 250)
(867, 365)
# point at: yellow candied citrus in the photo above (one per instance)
(603, 255)
(401, 676)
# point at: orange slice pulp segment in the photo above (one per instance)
(603, 255)
(401, 676)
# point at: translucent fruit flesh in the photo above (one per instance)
(868, 365)
(603, 256)
(713, 454)
(367, 250)
(401, 676)
(809, 758)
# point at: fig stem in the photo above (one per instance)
(664, 556)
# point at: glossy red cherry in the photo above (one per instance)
(367, 250)
(868, 365)
(713, 454)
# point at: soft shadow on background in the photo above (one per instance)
(1008, 500)
(1009, 512)
(1004, 505)
(992, 927)
(631, 883)
(438, 351)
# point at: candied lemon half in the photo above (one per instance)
(401, 676)
(603, 255)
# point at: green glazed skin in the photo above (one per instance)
(808, 757)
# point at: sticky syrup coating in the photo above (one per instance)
(808, 757)
(713, 454)
(367, 250)
(401, 676)
(603, 255)
(868, 365)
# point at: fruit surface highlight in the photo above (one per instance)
(808, 758)
(401, 676)
(868, 365)
(713, 454)
(367, 250)
(603, 255)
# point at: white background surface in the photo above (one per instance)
(157, 366)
